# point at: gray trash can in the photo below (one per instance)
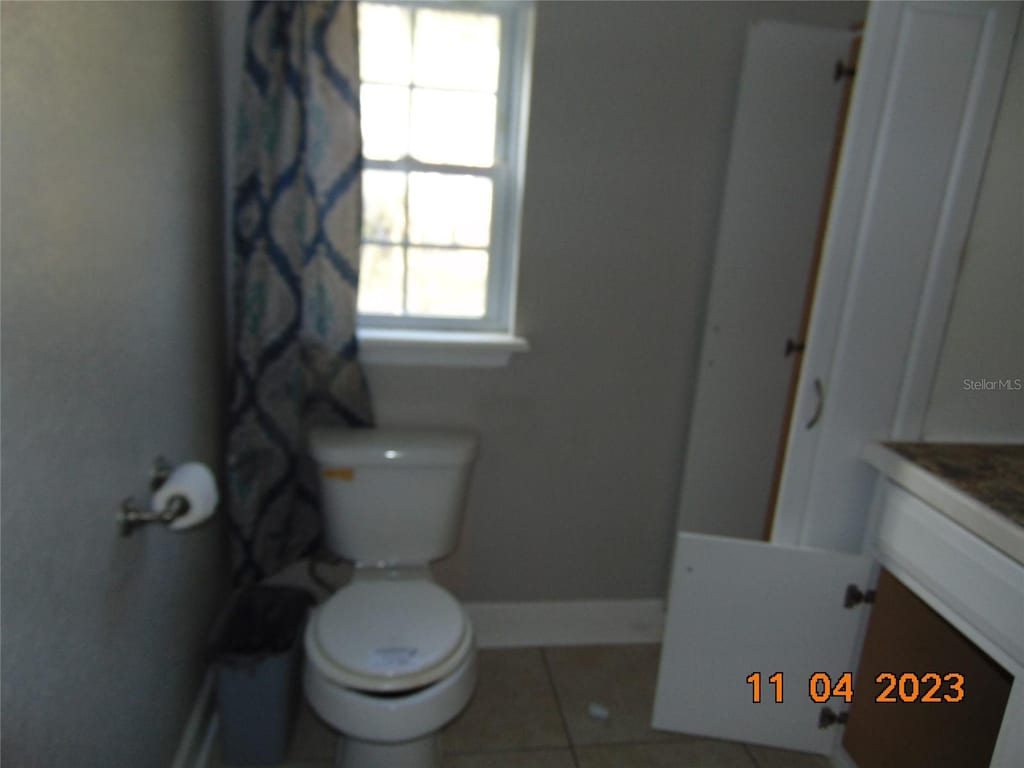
(258, 661)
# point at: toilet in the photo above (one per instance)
(390, 657)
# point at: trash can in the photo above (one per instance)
(258, 662)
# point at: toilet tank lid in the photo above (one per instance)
(380, 447)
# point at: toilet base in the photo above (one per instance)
(418, 753)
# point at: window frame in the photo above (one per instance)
(507, 174)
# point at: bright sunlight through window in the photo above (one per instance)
(443, 116)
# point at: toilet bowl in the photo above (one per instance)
(390, 657)
(388, 663)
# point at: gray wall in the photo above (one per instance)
(574, 495)
(111, 317)
(985, 335)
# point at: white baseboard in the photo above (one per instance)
(197, 738)
(572, 622)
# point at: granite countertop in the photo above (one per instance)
(980, 486)
(993, 474)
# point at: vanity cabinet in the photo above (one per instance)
(805, 621)
(928, 696)
(950, 538)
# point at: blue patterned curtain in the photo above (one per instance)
(296, 220)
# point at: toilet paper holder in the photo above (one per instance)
(131, 515)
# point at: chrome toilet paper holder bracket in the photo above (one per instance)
(131, 515)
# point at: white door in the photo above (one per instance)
(740, 608)
(787, 108)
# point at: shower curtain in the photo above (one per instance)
(296, 229)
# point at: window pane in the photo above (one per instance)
(457, 50)
(447, 283)
(452, 127)
(385, 121)
(385, 44)
(445, 209)
(380, 280)
(383, 205)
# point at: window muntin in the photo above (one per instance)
(443, 89)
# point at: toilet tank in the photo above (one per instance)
(391, 496)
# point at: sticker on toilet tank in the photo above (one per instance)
(339, 473)
(392, 658)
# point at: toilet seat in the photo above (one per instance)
(391, 718)
(388, 636)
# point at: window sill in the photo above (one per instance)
(439, 348)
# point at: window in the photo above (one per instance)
(443, 117)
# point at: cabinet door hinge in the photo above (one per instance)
(828, 718)
(854, 596)
(841, 70)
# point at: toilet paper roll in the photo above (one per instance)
(196, 484)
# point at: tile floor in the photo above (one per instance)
(530, 710)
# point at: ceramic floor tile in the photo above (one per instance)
(312, 739)
(619, 678)
(514, 706)
(545, 758)
(688, 753)
(766, 757)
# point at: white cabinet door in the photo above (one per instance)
(785, 126)
(741, 607)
